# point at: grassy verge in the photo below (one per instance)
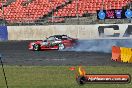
(56, 77)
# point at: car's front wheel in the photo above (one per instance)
(61, 46)
(36, 47)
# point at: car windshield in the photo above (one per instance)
(51, 38)
(58, 37)
(65, 37)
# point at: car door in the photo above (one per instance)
(51, 41)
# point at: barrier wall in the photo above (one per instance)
(126, 54)
(123, 54)
(99, 31)
(116, 53)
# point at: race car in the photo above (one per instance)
(55, 42)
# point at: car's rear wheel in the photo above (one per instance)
(61, 46)
(36, 47)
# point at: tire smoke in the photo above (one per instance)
(100, 45)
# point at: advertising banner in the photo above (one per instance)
(3, 33)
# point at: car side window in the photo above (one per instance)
(64, 37)
(51, 39)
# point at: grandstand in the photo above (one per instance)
(39, 12)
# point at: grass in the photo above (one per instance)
(56, 77)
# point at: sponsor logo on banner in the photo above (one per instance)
(3, 33)
(116, 31)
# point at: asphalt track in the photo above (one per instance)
(17, 53)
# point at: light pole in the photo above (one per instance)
(130, 8)
(102, 5)
(53, 16)
(77, 15)
(3, 11)
(2, 65)
(103, 8)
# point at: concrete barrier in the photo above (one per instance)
(99, 31)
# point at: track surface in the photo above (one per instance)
(17, 53)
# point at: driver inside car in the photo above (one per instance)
(48, 41)
(45, 42)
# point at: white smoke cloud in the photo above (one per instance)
(100, 45)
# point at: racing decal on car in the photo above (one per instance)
(44, 43)
(54, 43)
